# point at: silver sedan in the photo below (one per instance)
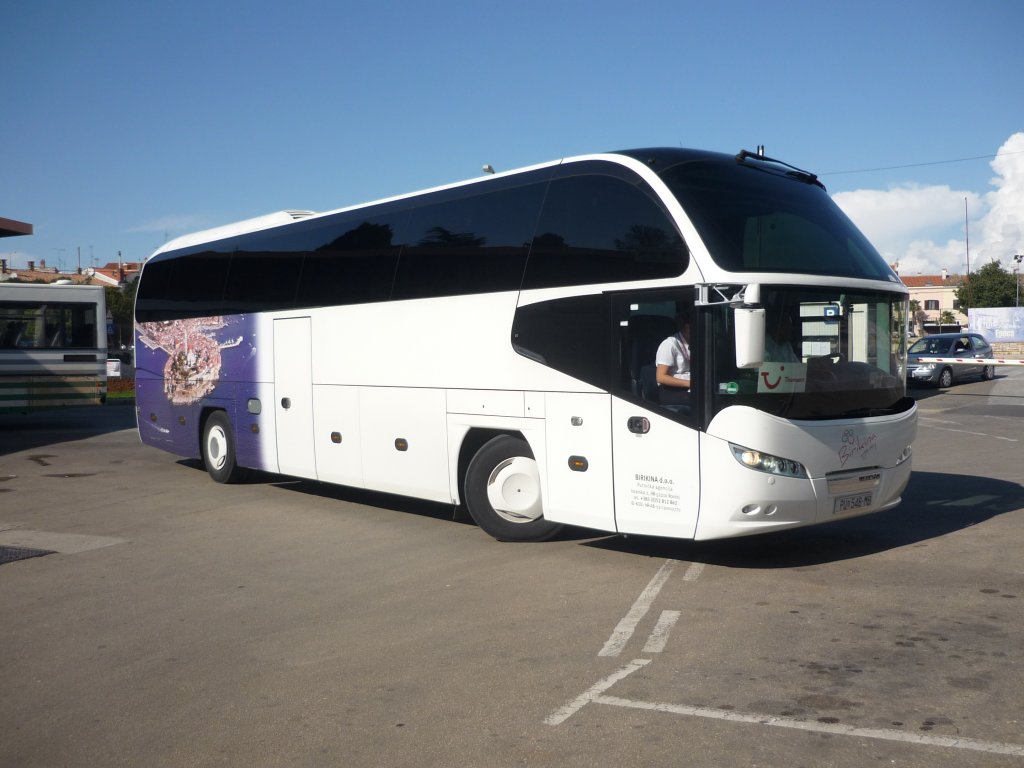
(956, 345)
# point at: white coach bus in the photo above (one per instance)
(53, 346)
(493, 343)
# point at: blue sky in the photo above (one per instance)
(126, 123)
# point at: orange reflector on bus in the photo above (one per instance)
(578, 463)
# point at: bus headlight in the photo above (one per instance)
(765, 462)
(904, 455)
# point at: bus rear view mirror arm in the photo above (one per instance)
(713, 295)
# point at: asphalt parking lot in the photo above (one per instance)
(286, 623)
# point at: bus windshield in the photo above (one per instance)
(829, 353)
(755, 218)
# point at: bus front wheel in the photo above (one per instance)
(502, 492)
(219, 449)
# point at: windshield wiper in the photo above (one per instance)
(793, 172)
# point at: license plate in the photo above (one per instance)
(850, 503)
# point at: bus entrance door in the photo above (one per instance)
(579, 460)
(657, 472)
(293, 397)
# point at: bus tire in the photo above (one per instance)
(219, 449)
(502, 492)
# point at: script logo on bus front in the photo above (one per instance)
(856, 446)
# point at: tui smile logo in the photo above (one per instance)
(778, 378)
(788, 377)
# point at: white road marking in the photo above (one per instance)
(590, 695)
(659, 637)
(967, 431)
(838, 729)
(693, 572)
(65, 543)
(627, 626)
(595, 695)
(978, 434)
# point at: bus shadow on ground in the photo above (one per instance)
(934, 504)
(37, 429)
(381, 500)
(348, 494)
(407, 505)
(404, 504)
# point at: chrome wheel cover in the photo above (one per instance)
(513, 490)
(216, 447)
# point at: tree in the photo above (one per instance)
(121, 306)
(990, 286)
(919, 317)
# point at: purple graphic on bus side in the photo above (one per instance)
(184, 366)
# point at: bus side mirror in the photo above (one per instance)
(749, 324)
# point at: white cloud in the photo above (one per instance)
(922, 227)
(1002, 229)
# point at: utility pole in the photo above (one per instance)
(1016, 277)
(967, 243)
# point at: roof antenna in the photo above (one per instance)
(760, 150)
(488, 168)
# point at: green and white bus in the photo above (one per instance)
(53, 346)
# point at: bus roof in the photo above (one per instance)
(255, 224)
(658, 159)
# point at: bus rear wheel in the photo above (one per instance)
(502, 492)
(219, 449)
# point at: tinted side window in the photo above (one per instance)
(188, 286)
(197, 283)
(81, 325)
(570, 335)
(473, 242)
(262, 280)
(356, 264)
(152, 289)
(47, 326)
(597, 228)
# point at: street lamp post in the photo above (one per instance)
(1017, 278)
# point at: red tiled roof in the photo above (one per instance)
(45, 275)
(107, 275)
(931, 281)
